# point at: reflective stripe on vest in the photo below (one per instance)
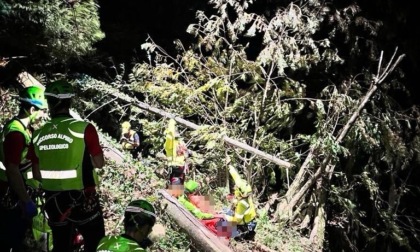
(60, 147)
(59, 174)
(14, 125)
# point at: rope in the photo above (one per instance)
(65, 215)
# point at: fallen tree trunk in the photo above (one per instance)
(228, 140)
(301, 183)
(27, 80)
(200, 235)
(112, 153)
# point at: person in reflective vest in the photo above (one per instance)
(17, 207)
(67, 151)
(199, 206)
(190, 202)
(130, 139)
(139, 219)
(176, 153)
(243, 212)
(41, 231)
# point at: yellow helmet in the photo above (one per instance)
(125, 126)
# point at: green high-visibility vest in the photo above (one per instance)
(118, 244)
(60, 147)
(15, 125)
(171, 145)
(41, 230)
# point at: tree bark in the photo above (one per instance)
(27, 80)
(112, 153)
(283, 211)
(318, 230)
(201, 236)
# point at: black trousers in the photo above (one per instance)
(71, 210)
(177, 172)
(12, 229)
(13, 225)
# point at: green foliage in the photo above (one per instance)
(71, 30)
(278, 237)
(57, 29)
(258, 96)
(260, 100)
(174, 241)
(8, 105)
(249, 100)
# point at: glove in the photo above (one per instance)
(29, 209)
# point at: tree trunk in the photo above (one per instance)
(318, 229)
(304, 180)
(112, 153)
(226, 139)
(199, 234)
(283, 211)
(27, 80)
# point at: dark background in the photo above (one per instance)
(127, 24)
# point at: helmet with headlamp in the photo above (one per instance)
(60, 89)
(140, 212)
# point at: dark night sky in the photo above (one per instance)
(127, 24)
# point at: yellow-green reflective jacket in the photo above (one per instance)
(171, 145)
(41, 228)
(244, 212)
(15, 125)
(61, 150)
(193, 209)
(118, 244)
